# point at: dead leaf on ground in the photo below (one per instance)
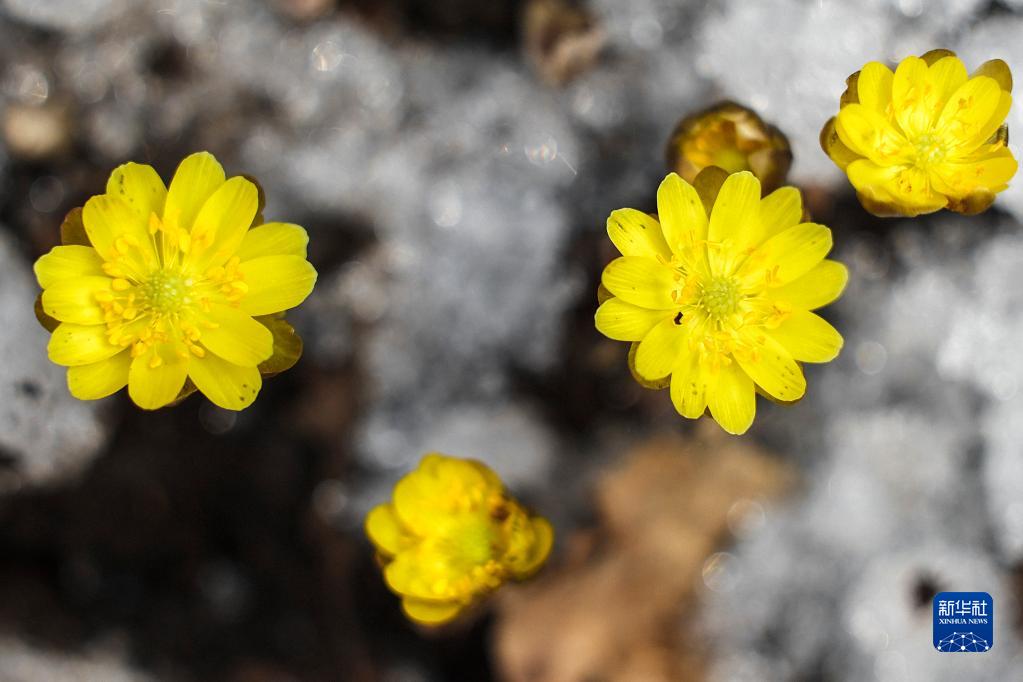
(619, 608)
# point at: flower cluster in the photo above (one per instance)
(170, 290)
(926, 137)
(451, 535)
(716, 294)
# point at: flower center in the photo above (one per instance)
(165, 292)
(930, 150)
(154, 310)
(474, 540)
(468, 546)
(720, 297)
(165, 303)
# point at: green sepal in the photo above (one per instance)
(261, 194)
(48, 323)
(287, 345)
(657, 385)
(72, 230)
(186, 390)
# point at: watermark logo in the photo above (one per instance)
(964, 622)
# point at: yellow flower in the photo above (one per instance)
(733, 138)
(719, 308)
(158, 289)
(451, 535)
(926, 137)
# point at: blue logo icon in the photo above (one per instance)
(964, 622)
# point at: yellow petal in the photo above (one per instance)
(780, 210)
(644, 282)
(987, 132)
(912, 188)
(423, 496)
(874, 87)
(140, 187)
(683, 219)
(226, 385)
(790, 253)
(67, 262)
(808, 338)
(623, 321)
(909, 87)
(997, 69)
(992, 172)
(118, 231)
(906, 188)
(732, 399)
(221, 224)
(429, 571)
(430, 613)
(77, 344)
(403, 575)
(490, 477)
(385, 530)
(276, 283)
(920, 93)
(867, 176)
(772, 368)
(974, 112)
(689, 385)
(74, 300)
(441, 470)
(869, 134)
(736, 215)
(156, 376)
(944, 77)
(237, 337)
(820, 286)
(195, 181)
(99, 379)
(635, 233)
(659, 349)
(274, 239)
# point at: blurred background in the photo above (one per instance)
(454, 162)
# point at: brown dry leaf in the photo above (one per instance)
(561, 40)
(37, 133)
(616, 610)
(304, 10)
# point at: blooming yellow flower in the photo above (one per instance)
(451, 535)
(926, 137)
(719, 307)
(733, 138)
(158, 288)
